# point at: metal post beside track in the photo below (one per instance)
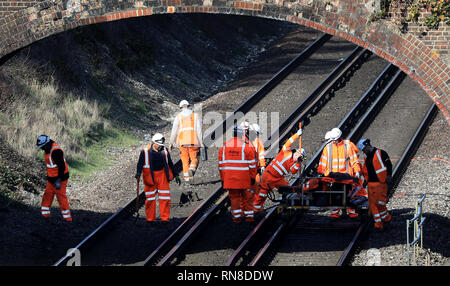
(418, 221)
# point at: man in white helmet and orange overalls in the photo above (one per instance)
(340, 156)
(157, 171)
(187, 135)
(57, 178)
(254, 132)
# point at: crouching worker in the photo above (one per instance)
(237, 168)
(57, 177)
(287, 161)
(157, 171)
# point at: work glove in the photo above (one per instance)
(252, 181)
(58, 184)
(137, 176)
(178, 180)
(300, 132)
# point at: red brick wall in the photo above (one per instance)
(422, 57)
(7, 6)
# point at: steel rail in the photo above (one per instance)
(304, 109)
(397, 175)
(317, 98)
(346, 125)
(197, 218)
(244, 107)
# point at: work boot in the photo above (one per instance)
(378, 225)
(191, 176)
(387, 218)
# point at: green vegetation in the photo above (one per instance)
(77, 124)
(439, 9)
(96, 156)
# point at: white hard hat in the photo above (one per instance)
(245, 125)
(184, 103)
(42, 140)
(335, 133)
(158, 139)
(327, 135)
(256, 128)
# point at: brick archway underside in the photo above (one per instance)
(347, 19)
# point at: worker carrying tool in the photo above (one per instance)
(187, 135)
(340, 156)
(377, 171)
(237, 168)
(287, 161)
(57, 177)
(156, 167)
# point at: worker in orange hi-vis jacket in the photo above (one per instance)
(187, 135)
(157, 171)
(377, 171)
(287, 161)
(237, 168)
(255, 131)
(57, 178)
(340, 156)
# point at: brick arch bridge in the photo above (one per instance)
(23, 22)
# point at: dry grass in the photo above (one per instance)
(40, 107)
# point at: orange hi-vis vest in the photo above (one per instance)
(378, 165)
(237, 164)
(146, 170)
(52, 169)
(187, 134)
(259, 152)
(283, 163)
(339, 157)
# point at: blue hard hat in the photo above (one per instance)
(363, 143)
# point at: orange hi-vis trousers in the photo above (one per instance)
(241, 204)
(162, 189)
(189, 160)
(49, 195)
(377, 203)
(268, 182)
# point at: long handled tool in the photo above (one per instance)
(137, 200)
(300, 172)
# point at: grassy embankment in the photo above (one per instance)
(75, 123)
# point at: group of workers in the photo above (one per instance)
(242, 168)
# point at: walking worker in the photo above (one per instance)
(377, 171)
(187, 135)
(57, 177)
(340, 156)
(157, 171)
(287, 161)
(237, 168)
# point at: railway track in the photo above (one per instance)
(174, 247)
(92, 240)
(316, 100)
(313, 239)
